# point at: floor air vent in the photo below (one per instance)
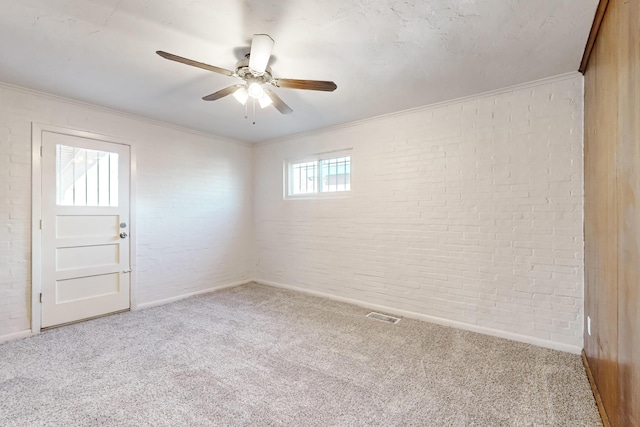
(383, 317)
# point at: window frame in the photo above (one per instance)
(317, 158)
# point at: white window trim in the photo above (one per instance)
(311, 158)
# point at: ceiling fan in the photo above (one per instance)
(257, 77)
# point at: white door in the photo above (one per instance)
(85, 227)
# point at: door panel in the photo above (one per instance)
(78, 226)
(85, 208)
(82, 288)
(79, 257)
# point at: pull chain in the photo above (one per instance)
(254, 111)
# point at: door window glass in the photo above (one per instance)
(86, 177)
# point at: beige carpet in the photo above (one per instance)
(255, 355)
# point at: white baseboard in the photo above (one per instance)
(390, 310)
(433, 319)
(27, 333)
(183, 296)
(16, 336)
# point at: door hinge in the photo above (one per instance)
(40, 224)
(41, 151)
(40, 297)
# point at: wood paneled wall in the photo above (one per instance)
(612, 212)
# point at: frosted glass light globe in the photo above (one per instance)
(255, 90)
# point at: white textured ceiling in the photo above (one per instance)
(384, 55)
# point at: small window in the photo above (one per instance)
(319, 174)
(304, 178)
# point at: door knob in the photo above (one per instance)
(123, 235)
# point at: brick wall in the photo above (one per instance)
(468, 213)
(194, 202)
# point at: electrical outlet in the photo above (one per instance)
(589, 325)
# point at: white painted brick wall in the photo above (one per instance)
(194, 202)
(469, 211)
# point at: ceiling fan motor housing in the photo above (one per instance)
(245, 73)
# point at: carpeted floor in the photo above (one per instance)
(255, 355)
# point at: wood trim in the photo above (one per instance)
(596, 393)
(36, 231)
(593, 34)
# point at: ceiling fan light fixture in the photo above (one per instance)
(241, 95)
(265, 100)
(255, 90)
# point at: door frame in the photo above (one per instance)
(36, 211)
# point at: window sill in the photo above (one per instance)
(320, 196)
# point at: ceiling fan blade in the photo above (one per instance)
(305, 84)
(261, 47)
(222, 93)
(193, 63)
(278, 103)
